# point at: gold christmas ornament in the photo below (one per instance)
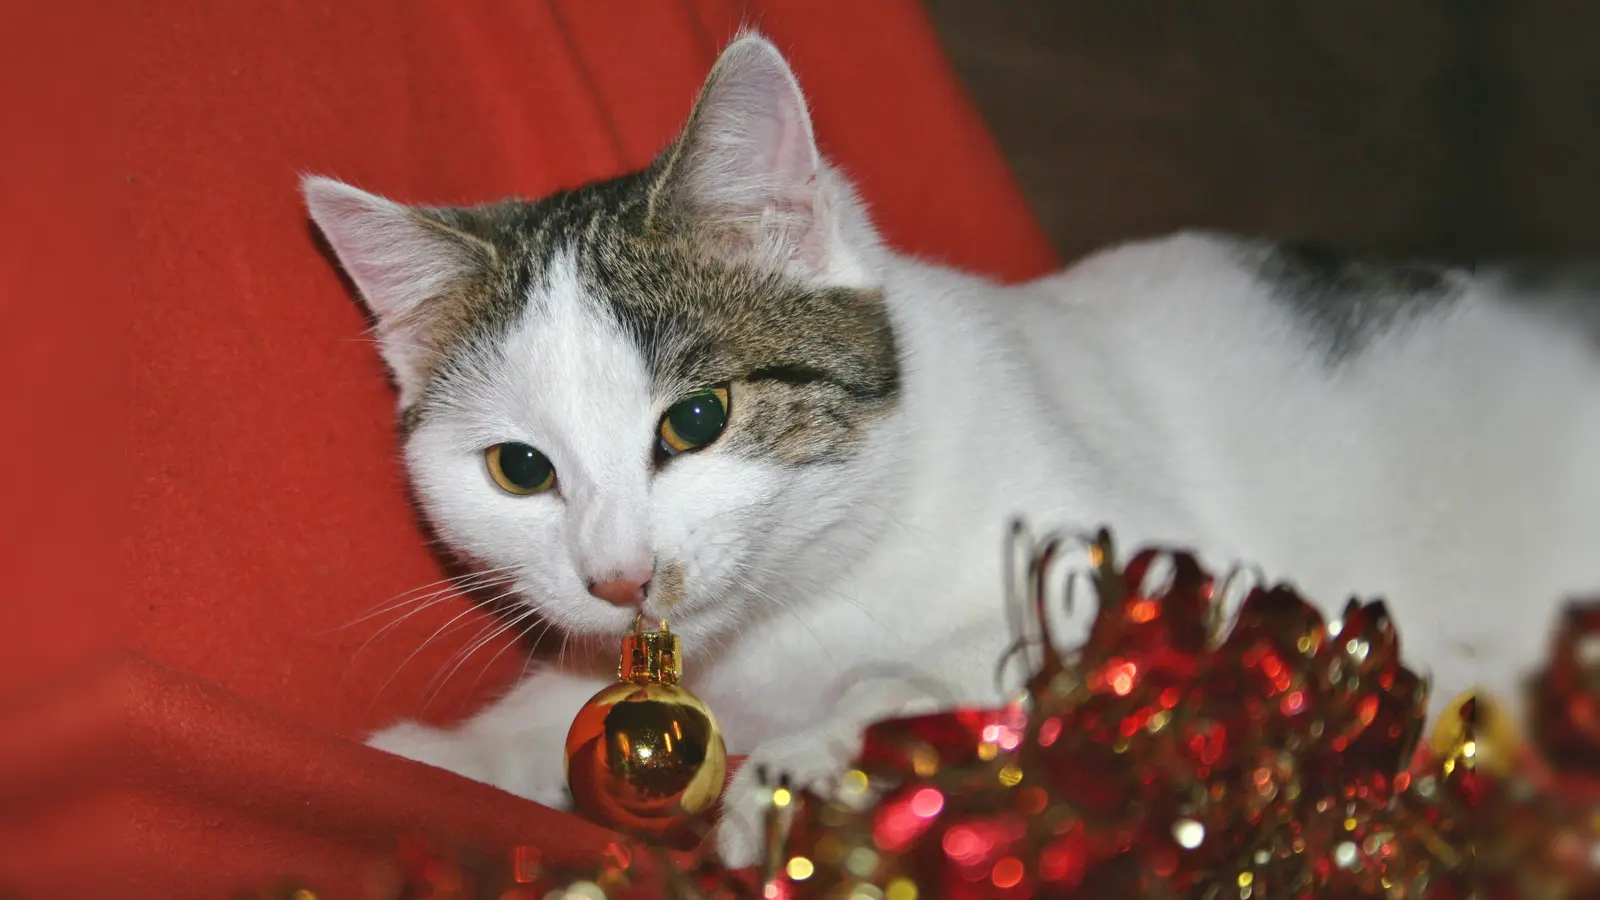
(644, 755)
(1477, 732)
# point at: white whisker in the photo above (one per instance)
(459, 583)
(437, 683)
(830, 591)
(423, 603)
(786, 607)
(528, 657)
(430, 639)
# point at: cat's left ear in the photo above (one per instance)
(748, 165)
(409, 265)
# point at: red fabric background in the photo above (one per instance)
(266, 507)
(268, 497)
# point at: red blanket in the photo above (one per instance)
(162, 284)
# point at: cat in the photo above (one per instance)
(707, 390)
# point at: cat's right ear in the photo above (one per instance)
(748, 165)
(406, 264)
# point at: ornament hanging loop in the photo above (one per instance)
(650, 657)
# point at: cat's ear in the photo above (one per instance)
(747, 163)
(407, 264)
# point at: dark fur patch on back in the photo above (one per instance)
(1345, 302)
(810, 366)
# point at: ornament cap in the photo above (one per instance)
(650, 657)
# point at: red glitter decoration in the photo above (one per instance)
(1567, 716)
(1174, 755)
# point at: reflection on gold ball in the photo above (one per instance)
(642, 757)
(1478, 732)
(645, 756)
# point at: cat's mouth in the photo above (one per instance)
(665, 598)
(666, 593)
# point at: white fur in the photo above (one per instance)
(1153, 387)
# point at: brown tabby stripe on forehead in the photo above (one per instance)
(810, 367)
(526, 236)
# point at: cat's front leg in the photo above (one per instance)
(812, 758)
(516, 744)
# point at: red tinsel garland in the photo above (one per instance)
(1170, 757)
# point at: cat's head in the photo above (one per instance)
(673, 389)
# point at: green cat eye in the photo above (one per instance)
(694, 421)
(520, 469)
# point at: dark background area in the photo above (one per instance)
(1458, 130)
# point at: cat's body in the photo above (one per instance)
(1429, 436)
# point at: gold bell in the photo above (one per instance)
(1477, 732)
(645, 756)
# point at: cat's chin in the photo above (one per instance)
(610, 621)
(596, 620)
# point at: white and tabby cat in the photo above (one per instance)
(708, 390)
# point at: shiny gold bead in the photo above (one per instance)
(645, 756)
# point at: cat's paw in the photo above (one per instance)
(527, 769)
(810, 759)
(436, 747)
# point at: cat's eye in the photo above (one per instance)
(520, 469)
(694, 421)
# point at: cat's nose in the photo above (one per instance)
(621, 591)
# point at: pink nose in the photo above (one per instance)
(621, 591)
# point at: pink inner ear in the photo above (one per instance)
(783, 135)
(750, 158)
(795, 158)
